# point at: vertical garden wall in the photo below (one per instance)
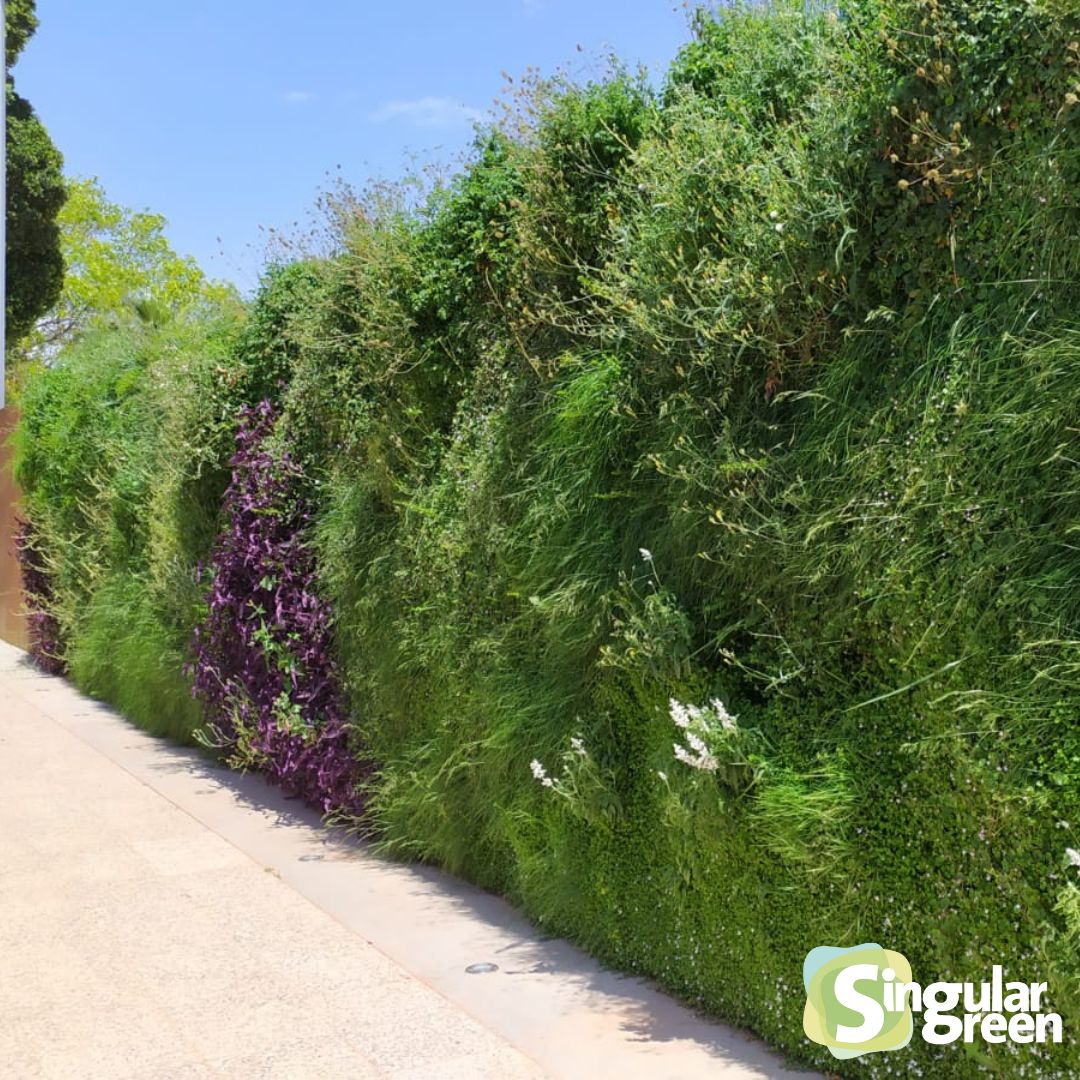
(670, 525)
(12, 622)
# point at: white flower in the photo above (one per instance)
(538, 770)
(779, 226)
(547, 782)
(773, 215)
(727, 721)
(662, 775)
(1073, 856)
(577, 746)
(680, 714)
(692, 721)
(646, 554)
(704, 759)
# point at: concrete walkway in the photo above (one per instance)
(162, 917)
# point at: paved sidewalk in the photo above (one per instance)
(162, 917)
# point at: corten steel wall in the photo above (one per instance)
(12, 625)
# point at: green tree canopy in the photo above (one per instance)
(35, 194)
(120, 267)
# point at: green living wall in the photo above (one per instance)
(755, 393)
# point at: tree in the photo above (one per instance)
(120, 267)
(35, 194)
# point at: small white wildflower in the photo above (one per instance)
(727, 721)
(577, 746)
(683, 755)
(696, 744)
(680, 714)
(646, 554)
(538, 770)
(547, 782)
(1073, 856)
(779, 226)
(773, 214)
(662, 775)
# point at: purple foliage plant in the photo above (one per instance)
(43, 630)
(262, 665)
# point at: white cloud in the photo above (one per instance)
(298, 97)
(430, 112)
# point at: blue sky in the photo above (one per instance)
(228, 115)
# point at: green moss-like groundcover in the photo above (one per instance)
(761, 387)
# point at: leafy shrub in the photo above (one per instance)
(978, 162)
(42, 629)
(262, 666)
(116, 456)
(124, 652)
